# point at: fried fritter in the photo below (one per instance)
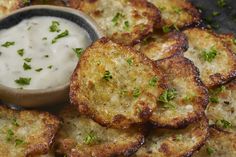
(174, 143)
(10, 5)
(220, 144)
(115, 85)
(221, 110)
(81, 136)
(26, 133)
(159, 46)
(124, 21)
(177, 13)
(215, 61)
(186, 97)
(49, 2)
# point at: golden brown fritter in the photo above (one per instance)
(26, 133)
(158, 46)
(177, 13)
(49, 2)
(221, 110)
(215, 61)
(174, 143)
(115, 85)
(7, 6)
(186, 97)
(82, 137)
(124, 21)
(219, 144)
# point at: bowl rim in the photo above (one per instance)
(76, 12)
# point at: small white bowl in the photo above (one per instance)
(50, 96)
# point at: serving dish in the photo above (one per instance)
(50, 96)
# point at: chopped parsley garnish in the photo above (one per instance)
(130, 61)
(18, 142)
(14, 122)
(177, 10)
(215, 13)
(153, 81)
(223, 124)
(189, 97)
(23, 81)
(21, 52)
(221, 3)
(209, 55)
(54, 26)
(209, 150)
(179, 137)
(90, 138)
(62, 35)
(44, 38)
(117, 18)
(166, 29)
(28, 59)
(214, 100)
(136, 92)
(78, 51)
(166, 97)
(107, 75)
(234, 41)
(26, 66)
(10, 135)
(126, 25)
(46, 56)
(39, 69)
(50, 67)
(8, 44)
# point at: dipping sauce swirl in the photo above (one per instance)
(40, 52)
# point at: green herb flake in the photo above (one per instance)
(166, 29)
(129, 61)
(153, 81)
(50, 67)
(117, 18)
(223, 124)
(209, 55)
(90, 138)
(39, 69)
(26, 66)
(126, 25)
(28, 59)
(8, 44)
(179, 137)
(234, 41)
(23, 81)
(46, 56)
(44, 38)
(177, 10)
(14, 122)
(18, 142)
(10, 135)
(54, 27)
(136, 92)
(209, 150)
(215, 13)
(166, 97)
(61, 35)
(21, 52)
(107, 75)
(221, 3)
(78, 51)
(214, 100)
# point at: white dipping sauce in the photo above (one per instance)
(48, 63)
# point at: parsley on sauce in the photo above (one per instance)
(8, 44)
(78, 51)
(23, 81)
(62, 35)
(54, 27)
(21, 52)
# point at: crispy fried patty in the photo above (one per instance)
(7, 6)
(81, 136)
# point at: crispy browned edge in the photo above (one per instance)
(117, 151)
(199, 145)
(51, 2)
(202, 101)
(177, 49)
(190, 8)
(155, 17)
(53, 124)
(119, 120)
(218, 79)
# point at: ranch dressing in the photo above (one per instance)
(40, 52)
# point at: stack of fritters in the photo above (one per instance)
(154, 87)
